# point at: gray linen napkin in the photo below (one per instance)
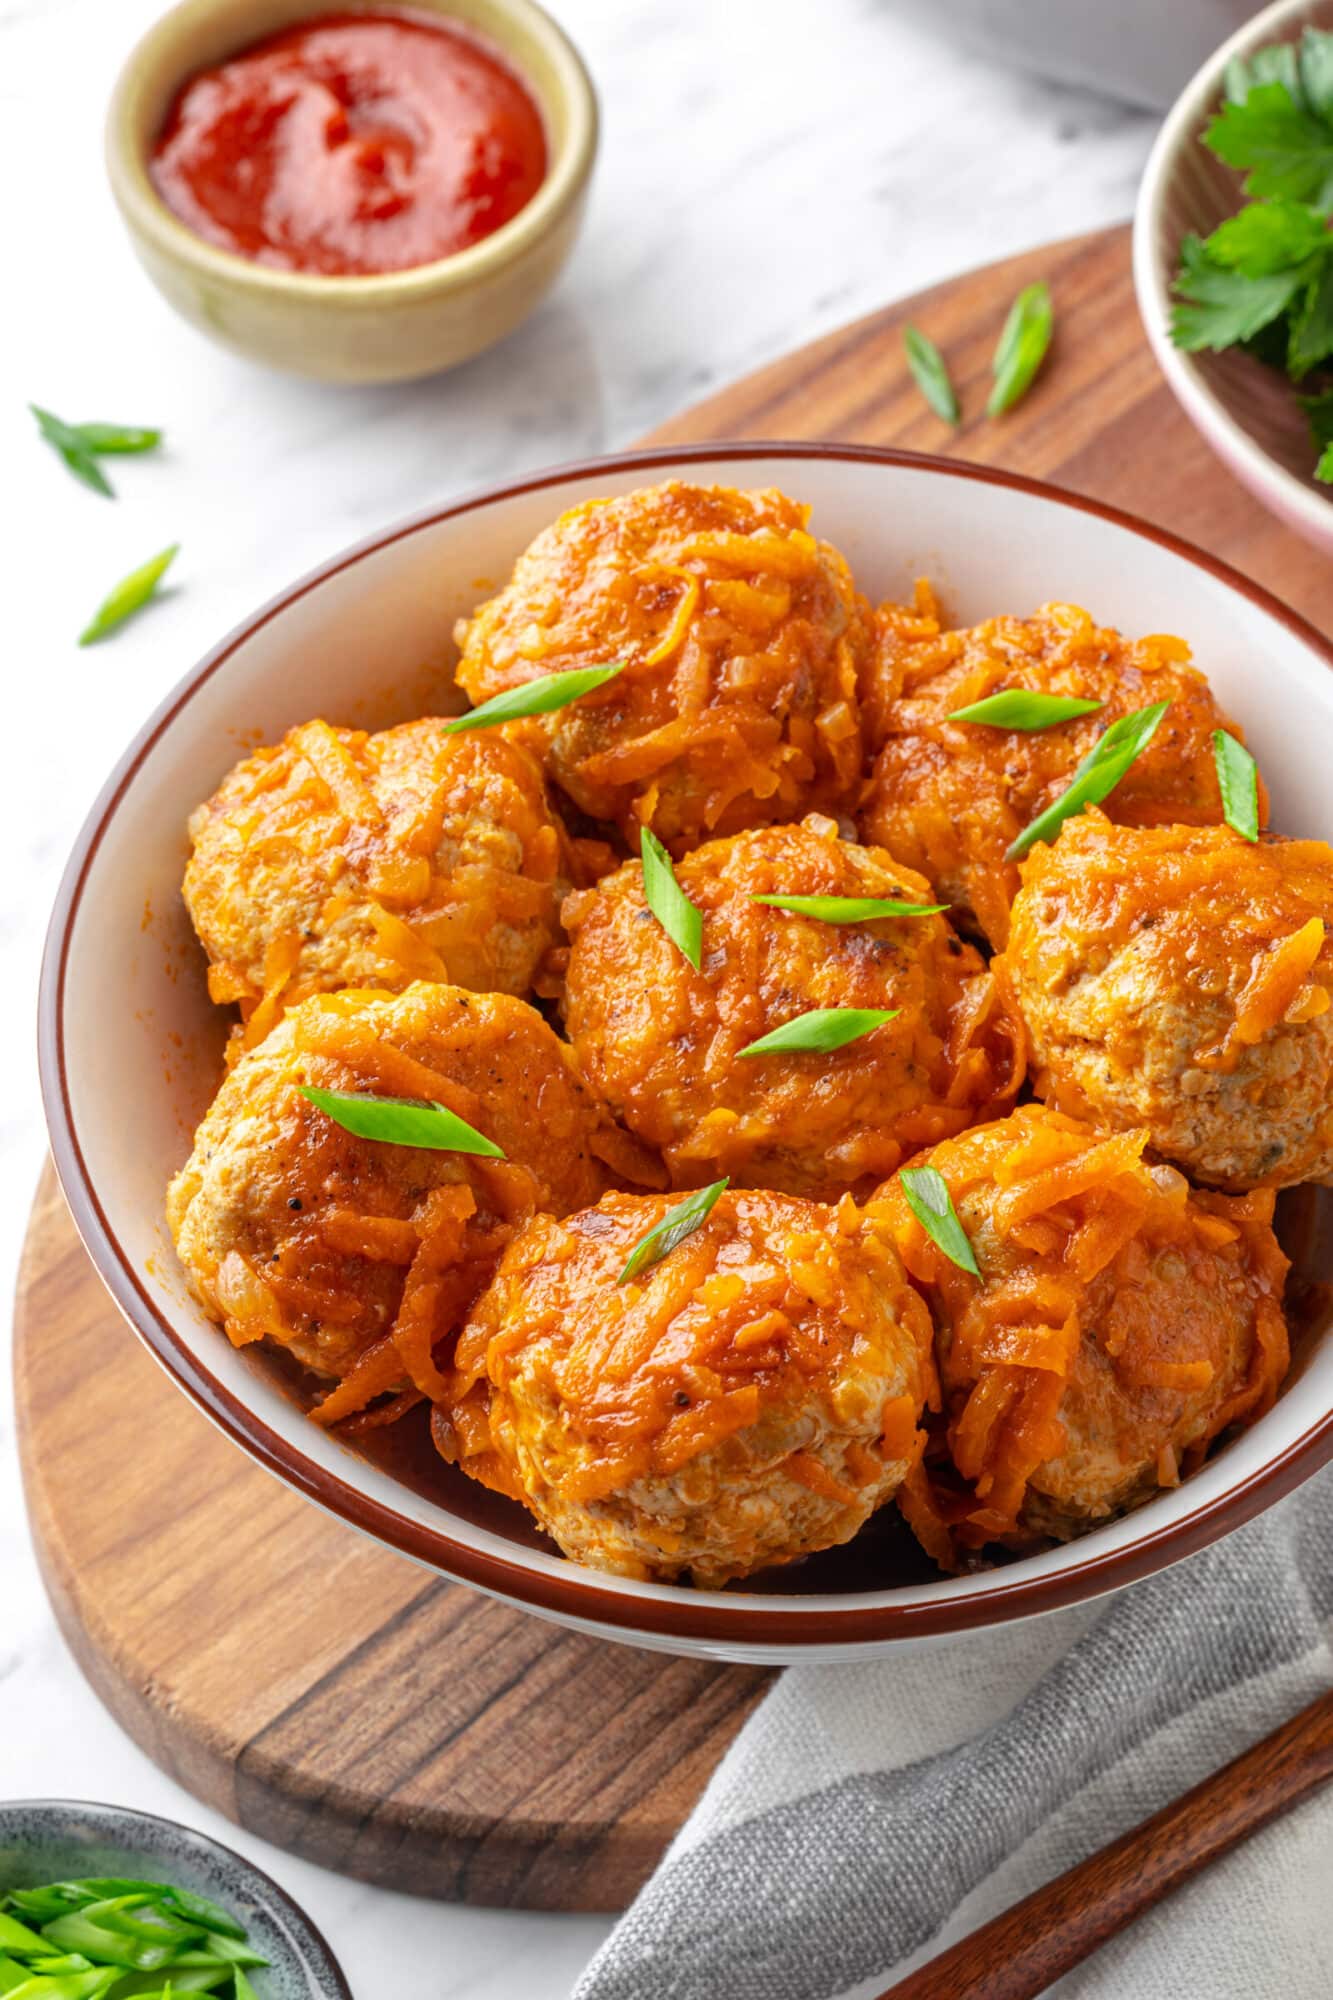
(868, 1815)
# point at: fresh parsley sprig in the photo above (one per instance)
(1263, 280)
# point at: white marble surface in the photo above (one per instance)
(769, 169)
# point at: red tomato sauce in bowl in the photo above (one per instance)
(352, 144)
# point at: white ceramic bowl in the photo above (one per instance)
(131, 1047)
(1247, 412)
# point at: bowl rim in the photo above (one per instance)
(567, 173)
(575, 1594)
(1201, 402)
(310, 1938)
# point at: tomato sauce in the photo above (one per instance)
(351, 144)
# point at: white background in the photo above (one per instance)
(769, 169)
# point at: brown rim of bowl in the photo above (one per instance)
(576, 1592)
(567, 175)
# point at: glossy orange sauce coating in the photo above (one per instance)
(338, 858)
(361, 1256)
(949, 798)
(743, 638)
(1182, 978)
(779, 1337)
(352, 144)
(662, 1043)
(1120, 1323)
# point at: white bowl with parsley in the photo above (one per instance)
(1233, 259)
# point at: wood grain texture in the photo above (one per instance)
(1022, 1952)
(327, 1694)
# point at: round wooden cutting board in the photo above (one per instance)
(329, 1695)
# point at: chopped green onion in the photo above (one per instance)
(675, 1226)
(930, 374)
(77, 453)
(129, 595)
(681, 919)
(1095, 776)
(929, 1199)
(821, 1030)
(849, 909)
(1022, 347)
(537, 697)
(401, 1121)
(15, 1936)
(118, 440)
(1024, 708)
(1238, 778)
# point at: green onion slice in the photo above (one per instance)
(675, 1226)
(117, 440)
(130, 595)
(1022, 347)
(1095, 776)
(538, 697)
(681, 919)
(77, 453)
(1238, 777)
(930, 374)
(1024, 708)
(822, 1029)
(401, 1121)
(849, 909)
(929, 1199)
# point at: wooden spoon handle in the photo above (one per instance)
(1018, 1954)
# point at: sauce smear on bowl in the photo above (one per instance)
(352, 144)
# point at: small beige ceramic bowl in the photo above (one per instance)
(1247, 412)
(386, 328)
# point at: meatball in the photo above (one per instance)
(340, 859)
(1121, 1323)
(356, 1254)
(742, 639)
(661, 1043)
(1179, 978)
(749, 1399)
(950, 797)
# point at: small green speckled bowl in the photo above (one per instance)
(52, 1840)
(386, 328)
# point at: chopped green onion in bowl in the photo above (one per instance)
(1024, 708)
(850, 909)
(1095, 776)
(105, 1938)
(681, 919)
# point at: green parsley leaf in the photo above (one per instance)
(1024, 708)
(1316, 72)
(1278, 64)
(77, 454)
(1311, 338)
(1269, 236)
(537, 697)
(821, 1030)
(129, 595)
(1095, 776)
(1324, 468)
(849, 909)
(929, 1199)
(1022, 347)
(401, 1121)
(1238, 780)
(1222, 308)
(675, 1226)
(679, 917)
(930, 374)
(1284, 149)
